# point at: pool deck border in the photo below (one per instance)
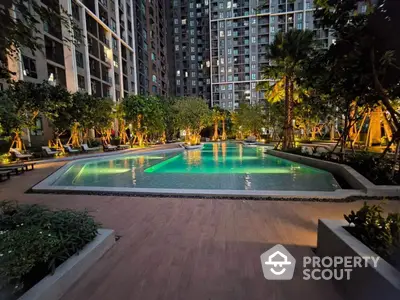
(46, 187)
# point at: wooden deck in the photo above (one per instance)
(191, 249)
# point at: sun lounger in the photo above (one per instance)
(18, 155)
(50, 152)
(121, 147)
(5, 175)
(108, 147)
(70, 150)
(86, 148)
(13, 168)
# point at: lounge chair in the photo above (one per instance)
(5, 175)
(86, 148)
(50, 152)
(250, 140)
(70, 150)
(13, 168)
(108, 147)
(18, 155)
(121, 147)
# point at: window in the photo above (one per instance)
(178, 73)
(153, 56)
(193, 74)
(299, 26)
(363, 8)
(253, 76)
(194, 82)
(29, 67)
(178, 82)
(253, 58)
(113, 25)
(79, 59)
(38, 130)
(75, 11)
(176, 21)
(81, 82)
(154, 78)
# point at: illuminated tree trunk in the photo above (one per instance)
(215, 136)
(223, 130)
(139, 134)
(74, 139)
(17, 141)
(332, 131)
(288, 138)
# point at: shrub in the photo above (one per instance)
(380, 234)
(94, 143)
(378, 170)
(35, 240)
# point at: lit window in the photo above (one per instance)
(178, 73)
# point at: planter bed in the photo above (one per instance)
(367, 283)
(53, 287)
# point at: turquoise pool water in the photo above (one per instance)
(227, 166)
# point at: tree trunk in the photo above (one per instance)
(215, 136)
(286, 126)
(223, 130)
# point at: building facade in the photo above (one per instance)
(118, 47)
(240, 32)
(151, 46)
(190, 48)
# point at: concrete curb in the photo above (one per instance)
(53, 287)
(368, 283)
(353, 178)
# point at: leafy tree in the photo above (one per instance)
(171, 128)
(249, 120)
(361, 68)
(287, 53)
(20, 22)
(22, 102)
(192, 115)
(145, 114)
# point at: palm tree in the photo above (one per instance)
(286, 53)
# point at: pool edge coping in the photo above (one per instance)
(45, 186)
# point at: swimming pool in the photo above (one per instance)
(218, 166)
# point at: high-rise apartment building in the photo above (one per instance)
(190, 48)
(98, 58)
(240, 32)
(151, 46)
(119, 48)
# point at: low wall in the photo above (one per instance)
(53, 287)
(367, 283)
(352, 177)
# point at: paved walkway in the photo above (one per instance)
(191, 249)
